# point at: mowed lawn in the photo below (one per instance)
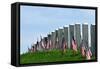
(50, 56)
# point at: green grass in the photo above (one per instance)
(51, 56)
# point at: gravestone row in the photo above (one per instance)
(76, 31)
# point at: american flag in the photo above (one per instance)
(42, 44)
(88, 54)
(83, 48)
(83, 51)
(48, 44)
(74, 45)
(64, 45)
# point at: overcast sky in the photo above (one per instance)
(36, 21)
